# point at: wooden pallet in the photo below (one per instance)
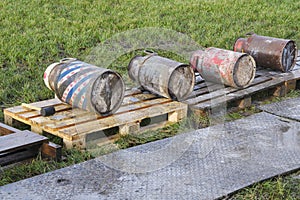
(209, 95)
(269, 82)
(139, 112)
(16, 145)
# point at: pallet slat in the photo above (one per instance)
(237, 94)
(117, 120)
(55, 125)
(5, 130)
(205, 97)
(220, 92)
(19, 140)
(74, 125)
(16, 145)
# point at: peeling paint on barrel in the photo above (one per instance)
(85, 86)
(225, 67)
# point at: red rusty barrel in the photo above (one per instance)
(162, 76)
(85, 86)
(225, 67)
(268, 52)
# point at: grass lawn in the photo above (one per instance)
(36, 33)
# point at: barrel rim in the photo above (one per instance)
(253, 71)
(295, 57)
(118, 105)
(181, 65)
(47, 72)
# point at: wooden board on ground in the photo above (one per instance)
(16, 145)
(139, 112)
(5, 129)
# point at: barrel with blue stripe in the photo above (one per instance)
(85, 86)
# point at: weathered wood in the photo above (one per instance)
(52, 150)
(222, 91)
(75, 125)
(290, 85)
(28, 152)
(5, 129)
(20, 140)
(8, 120)
(82, 119)
(275, 82)
(19, 146)
(16, 145)
(237, 94)
(120, 119)
(244, 103)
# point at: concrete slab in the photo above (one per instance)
(289, 108)
(204, 164)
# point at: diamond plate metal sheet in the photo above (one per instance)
(208, 164)
(288, 108)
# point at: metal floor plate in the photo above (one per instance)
(289, 108)
(204, 164)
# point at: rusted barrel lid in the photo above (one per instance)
(244, 70)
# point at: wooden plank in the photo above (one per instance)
(21, 109)
(29, 114)
(210, 95)
(5, 129)
(244, 103)
(222, 91)
(45, 103)
(20, 155)
(16, 109)
(132, 91)
(293, 75)
(267, 72)
(59, 116)
(26, 116)
(238, 94)
(19, 140)
(199, 90)
(53, 126)
(15, 116)
(51, 150)
(32, 114)
(137, 98)
(123, 118)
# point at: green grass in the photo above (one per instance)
(287, 187)
(36, 33)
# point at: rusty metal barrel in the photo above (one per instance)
(225, 67)
(269, 52)
(162, 76)
(85, 86)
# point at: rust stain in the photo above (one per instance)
(269, 52)
(224, 66)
